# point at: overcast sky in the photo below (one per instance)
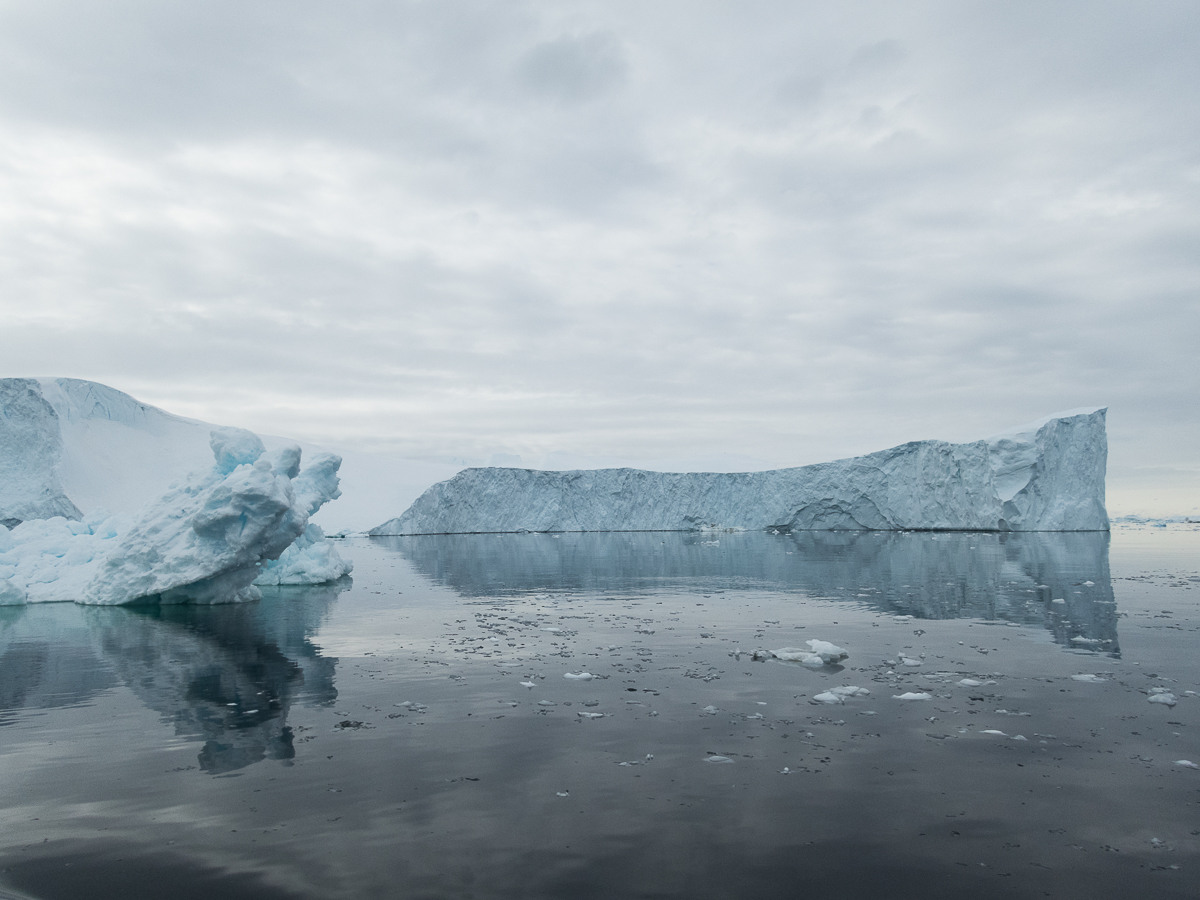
(616, 230)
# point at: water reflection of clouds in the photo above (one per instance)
(225, 674)
(1058, 580)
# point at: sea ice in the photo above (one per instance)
(1163, 696)
(1089, 678)
(913, 695)
(579, 676)
(1186, 763)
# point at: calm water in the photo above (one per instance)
(373, 738)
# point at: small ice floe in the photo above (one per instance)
(579, 676)
(902, 619)
(1163, 696)
(588, 715)
(913, 695)
(552, 629)
(994, 731)
(528, 684)
(710, 710)
(547, 703)
(785, 771)
(413, 707)
(1089, 678)
(970, 682)
(1089, 584)
(1081, 641)
(1186, 763)
(840, 694)
(909, 661)
(818, 654)
(562, 793)
(717, 759)
(1059, 600)
(1020, 737)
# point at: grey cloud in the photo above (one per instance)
(787, 231)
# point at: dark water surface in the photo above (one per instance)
(373, 738)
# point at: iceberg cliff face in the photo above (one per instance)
(1046, 476)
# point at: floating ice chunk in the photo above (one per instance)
(1020, 737)
(1058, 600)
(902, 619)
(1163, 696)
(717, 759)
(1089, 678)
(1081, 641)
(527, 684)
(913, 695)
(711, 710)
(547, 703)
(849, 690)
(830, 653)
(588, 715)
(1186, 763)
(785, 771)
(993, 731)
(579, 676)
(562, 793)
(969, 682)
(828, 697)
(909, 661)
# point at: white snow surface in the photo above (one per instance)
(206, 540)
(1045, 476)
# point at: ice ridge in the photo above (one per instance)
(1048, 476)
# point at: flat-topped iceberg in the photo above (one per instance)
(208, 539)
(1045, 476)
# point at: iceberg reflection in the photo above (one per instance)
(224, 674)
(1058, 580)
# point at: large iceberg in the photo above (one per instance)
(1044, 476)
(208, 539)
(69, 447)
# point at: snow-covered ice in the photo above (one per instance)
(206, 540)
(1045, 476)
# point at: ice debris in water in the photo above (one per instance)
(909, 661)
(588, 715)
(717, 759)
(1089, 678)
(1186, 763)
(838, 695)
(579, 676)
(528, 684)
(969, 682)
(913, 695)
(993, 731)
(819, 653)
(711, 710)
(1162, 695)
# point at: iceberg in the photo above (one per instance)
(209, 539)
(69, 447)
(1044, 476)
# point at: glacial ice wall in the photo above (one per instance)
(1045, 476)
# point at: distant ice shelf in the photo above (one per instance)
(1044, 476)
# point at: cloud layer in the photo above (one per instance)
(453, 230)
